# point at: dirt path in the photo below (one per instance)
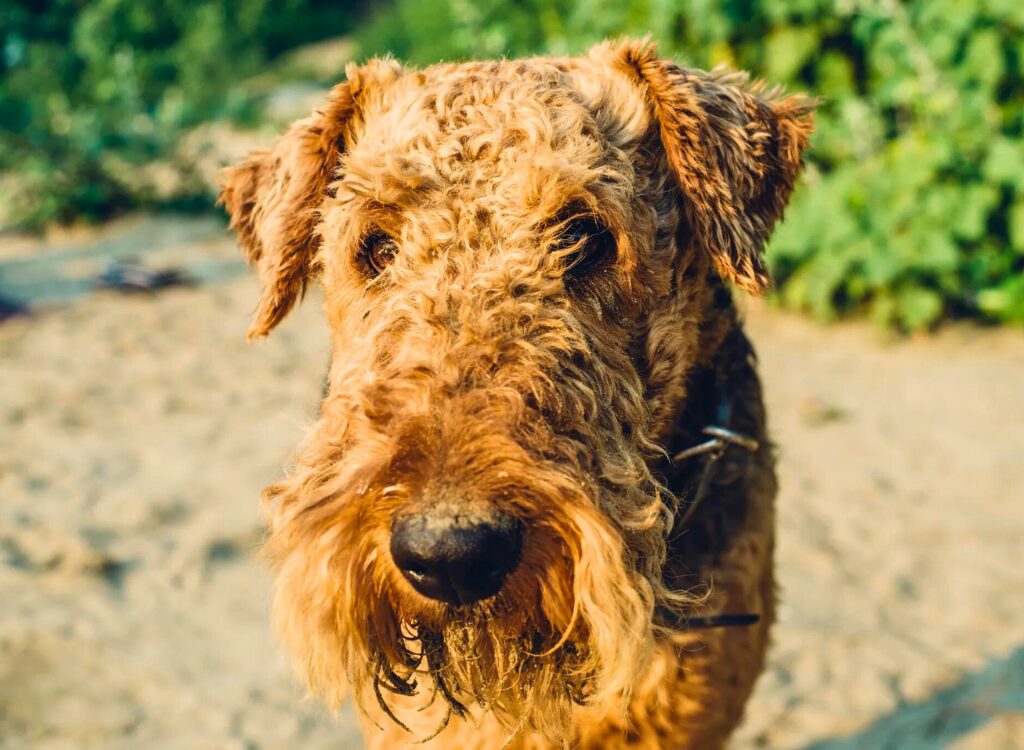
(900, 526)
(136, 432)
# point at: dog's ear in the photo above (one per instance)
(274, 196)
(735, 148)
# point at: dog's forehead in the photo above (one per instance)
(521, 124)
(526, 100)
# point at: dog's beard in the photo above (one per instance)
(486, 659)
(573, 625)
(551, 640)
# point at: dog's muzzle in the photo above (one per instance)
(456, 558)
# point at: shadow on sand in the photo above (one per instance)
(947, 715)
(58, 275)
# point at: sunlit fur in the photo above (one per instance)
(476, 372)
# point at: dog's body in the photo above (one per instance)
(485, 537)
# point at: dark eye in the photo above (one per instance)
(377, 251)
(588, 244)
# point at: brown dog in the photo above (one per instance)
(486, 537)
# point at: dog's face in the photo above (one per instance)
(515, 257)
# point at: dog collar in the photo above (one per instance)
(720, 438)
(714, 448)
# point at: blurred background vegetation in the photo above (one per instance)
(911, 211)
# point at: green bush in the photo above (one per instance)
(911, 211)
(913, 205)
(92, 91)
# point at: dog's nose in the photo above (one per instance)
(458, 559)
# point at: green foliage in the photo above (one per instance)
(913, 205)
(92, 91)
(912, 208)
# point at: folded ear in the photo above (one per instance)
(736, 150)
(274, 196)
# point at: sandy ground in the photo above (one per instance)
(136, 432)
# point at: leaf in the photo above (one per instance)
(1016, 225)
(786, 50)
(1005, 161)
(918, 307)
(970, 217)
(1005, 302)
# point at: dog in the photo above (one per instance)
(536, 507)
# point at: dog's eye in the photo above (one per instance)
(377, 251)
(587, 243)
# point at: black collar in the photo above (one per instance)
(705, 432)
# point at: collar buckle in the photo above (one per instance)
(721, 438)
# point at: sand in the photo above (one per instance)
(137, 431)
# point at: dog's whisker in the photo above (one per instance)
(445, 720)
(430, 702)
(383, 705)
(564, 637)
(396, 684)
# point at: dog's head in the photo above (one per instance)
(517, 259)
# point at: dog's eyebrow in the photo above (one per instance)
(376, 205)
(583, 207)
(573, 209)
(367, 177)
(366, 199)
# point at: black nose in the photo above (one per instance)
(457, 559)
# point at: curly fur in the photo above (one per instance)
(475, 371)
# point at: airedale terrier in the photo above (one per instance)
(536, 508)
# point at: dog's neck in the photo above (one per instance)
(723, 391)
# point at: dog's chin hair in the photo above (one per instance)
(473, 666)
(575, 627)
(528, 658)
(477, 664)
